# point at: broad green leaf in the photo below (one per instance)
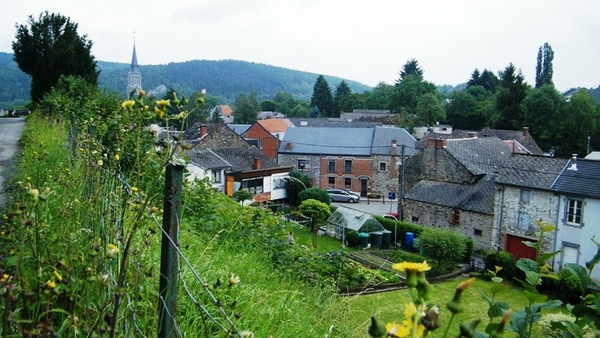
(498, 309)
(481, 335)
(498, 288)
(527, 264)
(580, 272)
(534, 297)
(497, 280)
(596, 259)
(533, 278)
(530, 244)
(485, 297)
(546, 256)
(491, 327)
(517, 321)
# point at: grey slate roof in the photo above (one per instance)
(382, 141)
(207, 159)
(239, 128)
(242, 158)
(585, 181)
(480, 155)
(328, 141)
(478, 197)
(530, 171)
(331, 122)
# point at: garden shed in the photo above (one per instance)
(346, 219)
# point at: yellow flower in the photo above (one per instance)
(117, 157)
(396, 331)
(100, 162)
(128, 104)
(142, 93)
(4, 278)
(134, 189)
(111, 250)
(412, 267)
(58, 276)
(153, 210)
(50, 284)
(409, 314)
(159, 113)
(164, 103)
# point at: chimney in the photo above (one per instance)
(393, 148)
(257, 164)
(436, 143)
(203, 130)
(573, 163)
(525, 131)
(288, 146)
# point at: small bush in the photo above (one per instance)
(506, 261)
(447, 248)
(315, 194)
(242, 195)
(569, 287)
(352, 238)
(316, 209)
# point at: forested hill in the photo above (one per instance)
(223, 79)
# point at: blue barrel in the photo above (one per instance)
(376, 239)
(363, 239)
(385, 239)
(408, 242)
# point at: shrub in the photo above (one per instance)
(506, 261)
(352, 238)
(242, 195)
(445, 247)
(316, 209)
(569, 288)
(315, 194)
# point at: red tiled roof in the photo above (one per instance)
(274, 125)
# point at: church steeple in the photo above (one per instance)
(134, 77)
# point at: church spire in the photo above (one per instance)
(134, 77)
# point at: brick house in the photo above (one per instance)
(346, 158)
(450, 185)
(232, 164)
(268, 134)
(524, 195)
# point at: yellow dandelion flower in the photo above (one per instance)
(153, 210)
(159, 113)
(395, 330)
(142, 93)
(111, 250)
(50, 284)
(58, 276)
(409, 314)
(128, 104)
(4, 278)
(100, 162)
(117, 157)
(234, 280)
(134, 189)
(412, 267)
(164, 103)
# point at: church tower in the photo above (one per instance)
(134, 77)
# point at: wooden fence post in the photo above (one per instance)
(167, 307)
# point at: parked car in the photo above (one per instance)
(339, 195)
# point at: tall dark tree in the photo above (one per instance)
(407, 94)
(485, 79)
(543, 68)
(323, 98)
(341, 97)
(543, 113)
(430, 110)
(411, 67)
(246, 108)
(49, 47)
(581, 120)
(380, 97)
(509, 96)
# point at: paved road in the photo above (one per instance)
(11, 130)
(371, 206)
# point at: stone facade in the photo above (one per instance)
(385, 173)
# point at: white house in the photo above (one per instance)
(578, 187)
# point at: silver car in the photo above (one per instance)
(339, 195)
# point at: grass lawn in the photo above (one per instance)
(389, 307)
(322, 244)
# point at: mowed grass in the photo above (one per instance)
(389, 307)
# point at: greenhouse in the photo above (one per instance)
(346, 219)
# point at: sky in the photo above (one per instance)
(364, 41)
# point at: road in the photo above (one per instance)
(377, 207)
(11, 129)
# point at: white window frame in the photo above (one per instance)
(571, 216)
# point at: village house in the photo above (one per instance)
(267, 135)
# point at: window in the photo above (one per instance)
(331, 182)
(574, 209)
(331, 167)
(454, 216)
(347, 166)
(383, 166)
(279, 183)
(525, 196)
(348, 182)
(254, 185)
(414, 219)
(216, 176)
(523, 222)
(303, 164)
(477, 232)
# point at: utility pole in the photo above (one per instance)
(401, 184)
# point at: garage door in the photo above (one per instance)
(514, 245)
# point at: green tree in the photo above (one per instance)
(268, 105)
(543, 113)
(411, 67)
(465, 108)
(323, 98)
(380, 97)
(297, 182)
(313, 208)
(299, 110)
(486, 79)
(246, 108)
(509, 96)
(581, 120)
(543, 68)
(408, 92)
(341, 97)
(49, 47)
(430, 110)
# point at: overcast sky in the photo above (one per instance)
(364, 41)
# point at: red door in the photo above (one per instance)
(515, 246)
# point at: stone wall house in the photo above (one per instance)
(268, 135)
(524, 195)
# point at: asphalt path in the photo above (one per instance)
(11, 130)
(371, 206)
